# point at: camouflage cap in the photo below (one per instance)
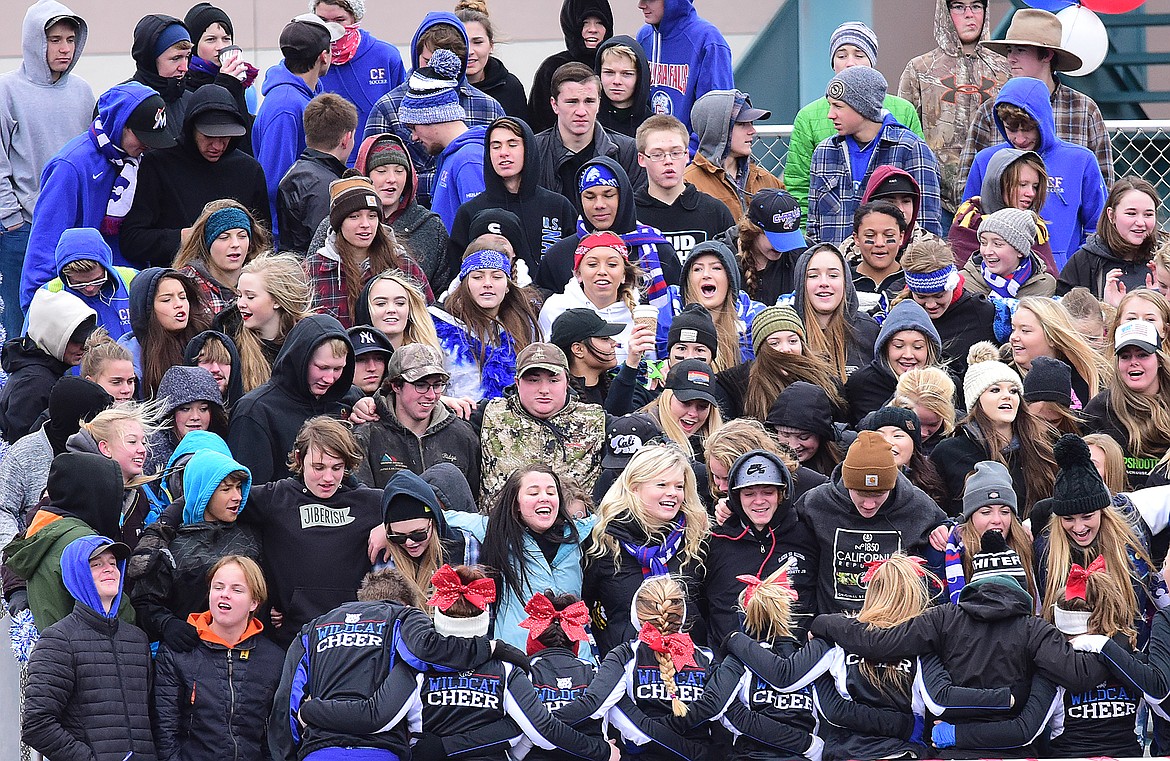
(541, 356)
(415, 361)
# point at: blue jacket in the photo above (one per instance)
(1076, 189)
(112, 303)
(458, 174)
(278, 135)
(688, 57)
(75, 190)
(78, 578)
(375, 69)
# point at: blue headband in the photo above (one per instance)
(484, 260)
(933, 282)
(168, 37)
(597, 174)
(223, 220)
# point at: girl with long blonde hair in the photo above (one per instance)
(685, 411)
(930, 392)
(393, 304)
(274, 296)
(1043, 327)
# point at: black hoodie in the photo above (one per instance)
(573, 15)
(174, 184)
(266, 420)
(235, 386)
(172, 89)
(505, 87)
(545, 217)
(626, 120)
(693, 218)
(408, 487)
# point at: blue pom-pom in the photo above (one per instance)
(446, 64)
(24, 635)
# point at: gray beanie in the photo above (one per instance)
(857, 34)
(861, 88)
(1016, 226)
(989, 484)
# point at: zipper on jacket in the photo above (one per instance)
(231, 724)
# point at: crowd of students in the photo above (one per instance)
(416, 413)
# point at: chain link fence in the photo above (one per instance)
(1140, 148)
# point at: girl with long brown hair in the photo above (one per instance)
(166, 312)
(826, 302)
(224, 239)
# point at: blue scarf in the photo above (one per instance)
(654, 558)
(122, 192)
(498, 366)
(1007, 287)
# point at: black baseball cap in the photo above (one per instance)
(691, 379)
(121, 551)
(778, 214)
(366, 339)
(308, 35)
(220, 123)
(148, 122)
(578, 324)
(625, 436)
(893, 185)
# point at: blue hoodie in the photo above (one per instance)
(1076, 189)
(112, 303)
(205, 471)
(458, 174)
(375, 69)
(75, 189)
(163, 490)
(688, 57)
(78, 578)
(278, 135)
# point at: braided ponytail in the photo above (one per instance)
(661, 603)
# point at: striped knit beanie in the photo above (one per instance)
(432, 95)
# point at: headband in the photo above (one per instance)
(597, 174)
(449, 626)
(600, 240)
(933, 282)
(1071, 622)
(223, 220)
(484, 260)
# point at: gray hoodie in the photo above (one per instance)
(711, 121)
(37, 115)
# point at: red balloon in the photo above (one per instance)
(1112, 6)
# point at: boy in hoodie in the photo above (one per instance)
(688, 56)
(58, 325)
(723, 166)
(511, 161)
(278, 134)
(90, 182)
(1076, 189)
(209, 166)
(585, 24)
(685, 215)
(85, 268)
(950, 83)
(625, 85)
(439, 30)
(867, 137)
(51, 105)
(161, 52)
(88, 692)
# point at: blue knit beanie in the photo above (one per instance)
(432, 96)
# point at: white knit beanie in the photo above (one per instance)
(984, 371)
(356, 7)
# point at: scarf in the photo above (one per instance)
(654, 558)
(496, 362)
(122, 192)
(344, 48)
(643, 241)
(1007, 287)
(953, 562)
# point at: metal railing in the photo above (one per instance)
(1140, 148)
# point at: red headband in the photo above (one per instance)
(599, 240)
(542, 614)
(449, 588)
(1078, 577)
(753, 583)
(872, 566)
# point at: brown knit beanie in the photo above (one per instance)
(350, 194)
(869, 464)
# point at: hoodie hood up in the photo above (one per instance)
(626, 219)
(408, 487)
(711, 120)
(725, 255)
(573, 15)
(991, 198)
(450, 486)
(35, 46)
(675, 13)
(529, 174)
(906, 315)
(235, 386)
(72, 400)
(114, 107)
(290, 371)
(78, 578)
(880, 175)
(798, 297)
(88, 487)
(146, 34)
(206, 99)
(1033, 97)
(995, 598)
(433, 19)
(79, 243)
(804, 406)
(411, 189)
(142, 292)
(203, 474)
(53, 317)
(642, 88)
(945, 33)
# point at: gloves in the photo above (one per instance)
(943, 735)
(17, 602)
(502, 651)
(815, 750)
(1089, 643)
(180, 636)
(428, 748)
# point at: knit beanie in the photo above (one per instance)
(861, 88)
(996, 559)
(432, 95)
(804, 406)
(350, 194)
(203, 15)
(1048, 380)
(356, 7)
(171, 35)
(1078, 488)
(858, 34)
(897, 417)
(983, 371)
(772, 319)
(386, 151)
(989, 484)
(1016, 226)
(869, 464)
(693, 325)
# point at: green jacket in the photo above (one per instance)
(812, 125)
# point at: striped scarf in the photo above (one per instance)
(654, 559)
(1007, 287)
(122, 192)
(953, 563)
(643, 241)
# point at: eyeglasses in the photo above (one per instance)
(98, 283)
(423, 387)
(965, 8)
(414, 536)
(659, 156)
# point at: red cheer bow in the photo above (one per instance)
(449, 588)
(753, 583)
(678, 646)
(872, 566)
(542, 614)
(1074, 588)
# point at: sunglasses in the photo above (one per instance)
(88, 284)
(414, 536)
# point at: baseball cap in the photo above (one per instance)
(307, 34)
(579, 323)
(625, 436)
(778, 214)
(744, 111)
(1137, 333)
(220, 123)
(895, 184)
(366, 340)
(691, 379)
(541, 356)
(148, 122)
(415, 361)
(121, 551)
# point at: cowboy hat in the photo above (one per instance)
(1040, 29)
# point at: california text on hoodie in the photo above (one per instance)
(947, 86)
(89, 676)
(177, 97)
(278, 134)
(505, 88)
(302, 199)
(863, 330)
(688, 57)
(76, 186)
(1094, 260)
(712, 122)
(848, 540)
(964, 234)
(112, 303)
(37, 115)
(375, 69)
(573, 15)
(545, 215)
(459, 174)
(625, 120)
(480, 109)
(174, 184)
(693, 218)
(35, 361)
(1076, 189)
(265, 421)
(554, 158)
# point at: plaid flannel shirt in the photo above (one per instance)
(330, 292)
(481, 109)
(215, 296)
(832, 199)
(1078, 121)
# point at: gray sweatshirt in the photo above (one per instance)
(37, 115)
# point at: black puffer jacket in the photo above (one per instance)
(23, 401)
(967, 321)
